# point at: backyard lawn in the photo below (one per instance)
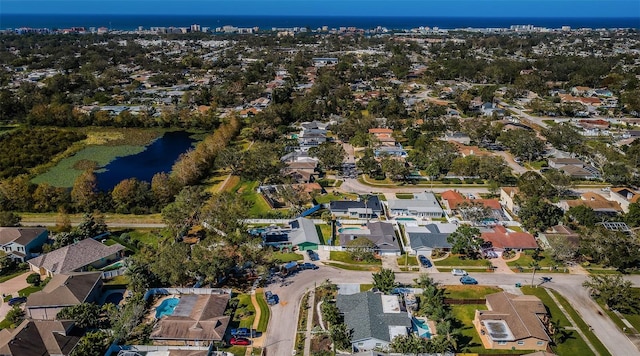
(247, 189)
(324, 233)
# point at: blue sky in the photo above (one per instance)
(435, 8)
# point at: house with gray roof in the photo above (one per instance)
(357, 209)
(21, 242)
(64, 290)
(301, 233)
(76, 257)
(423, 205)
(382, 234)
(375, 319)
(424, 239)
(38, 338)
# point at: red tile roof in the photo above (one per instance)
(500, 238)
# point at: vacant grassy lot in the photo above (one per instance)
(460, 260)
(247, 189)
(284, 257)
(469, 291)
(526, 259)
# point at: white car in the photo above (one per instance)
(459, 272)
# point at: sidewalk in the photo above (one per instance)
(307, 334)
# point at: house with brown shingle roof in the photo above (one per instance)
(501, 239)
(38, 338)
(197, 320)
(453, 200)
(76, 257)
(624, 196)
(595, 201)
(20, 242)
(384, 135)
(513, 322)
(64, 290)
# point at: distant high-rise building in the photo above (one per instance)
(140, 28)
(566, 28)
(195, 28)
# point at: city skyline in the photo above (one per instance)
(427, 8)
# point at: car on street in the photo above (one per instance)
(468, 280)
(458, 272)
(424, 261)
(241, 341)
(272, 299)
(17, 300)
(308, 265)
(313, 256)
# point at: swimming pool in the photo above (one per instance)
(421, 328)
(343, 229)
(405, 219)
(166, 307)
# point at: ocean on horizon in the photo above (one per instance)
(132, 22)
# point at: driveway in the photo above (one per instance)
(12, 287)
(282, 327)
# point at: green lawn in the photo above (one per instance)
(460, 261)
(284, 257)
(526, 259)
(634, 319)
(404, 195)
(365, 287)
(469, 291)
(117, 281)
(259, 206)
(574, 345)
(324, 232)
(146, 236)
(407, 260)
(327, 198)
(245, 312)
(265, 313)
(342, 256)
(25, 292)
(369, 268)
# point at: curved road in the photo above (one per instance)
(284, 316)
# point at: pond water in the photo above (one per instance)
(159, 156)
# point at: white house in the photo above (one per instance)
(423, 205)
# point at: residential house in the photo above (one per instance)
(301, 171)
(501, 239)
(301, 233)
(382, 234)
(375, 319)
(423, 205)
(559, 235)
(77, 257)
(625, 197)
(488, 109)
(513, 322)
(453, 201)
(385, 136)
(369, 207)
(574, 167)
(393, 151)
(64, 290)
(197, 320)
(312, 134)
(21, 242)
(457, 136)
(595, 201)
(38, 338)
(508, 198)
(424, 239)
(558, 163)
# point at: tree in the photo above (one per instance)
(522, 143)
(15, 316)
(615, 291)
(131, 195)
(170, 263)
(560, 181)
(341, 336)
(475, 212)
(611, 248)
(330, 313)
(34, 279)
(92, 343)
(466, 241)
(616, 173)
(532, 185)
(163, 188)
(410, 344)
(394, 168)
(450, 335)
(565, 137)
(436, 157)
(537, 214)
(9, 219)
(85, 315)
(330, 155)
(92, 225)
(181, 214)
(583, 214)
(83, 193)
(632, 218)
(361, 249)
(385, 280)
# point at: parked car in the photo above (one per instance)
(17, 300)
(424, 261)
(308, 265)
(272, 299)
(468, 280)
(313, 256)
(242, 341)
(240, 332)
(458, 272)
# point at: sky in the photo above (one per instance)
(433, 8)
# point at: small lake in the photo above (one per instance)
(159, 156)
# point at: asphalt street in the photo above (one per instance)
(282, 326)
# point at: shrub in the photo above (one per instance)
(34, 279)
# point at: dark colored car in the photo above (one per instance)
(241, 332)
(424, 261)
(313, 256)
(272, 299)
(17, 300)
(468, 280)
(308, 265)
(242, 341)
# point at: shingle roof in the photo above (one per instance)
(373, 203)
(38, 338)
(423, 202)
(522, 313)
(196, 317)
(500, 238)
(65, 290)
(429, 236)
(381, 234)
(364, 314)
(75, 256)
(304, 230)
(19, 235)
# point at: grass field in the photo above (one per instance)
(247, 189)
(469, 291)
(265, 313)
(327, 198)
(245, 312)
(344, 257)
(459, 261)
(406, 260)
(284, 257)
(324, 233)
(527, 258)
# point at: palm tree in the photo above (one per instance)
(449, 333)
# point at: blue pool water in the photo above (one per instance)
(421, 328)
(348, 228)
(166, 307)
(405, 219)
